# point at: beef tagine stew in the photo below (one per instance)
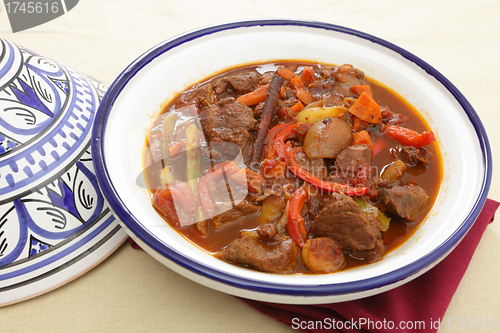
(292, 167)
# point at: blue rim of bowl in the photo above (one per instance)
(196, 267)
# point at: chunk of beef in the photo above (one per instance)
(347, 161)
(244, 82)
(372, 255)
(331, 100)
(238, 115)
(352, 167)
(349, 76)
(321, 88)
(212, 118)
(267, 77)
(277, 256)
(230, 123)
(231, 115)
(225, 101)
(219, 152)
(406, 201)
(241, 210)
(395, 119)
(202, 95)
(285, 185)
(206, 95)
(315, 166)
(257, 110)
(343, 77)
(238, 136)
(220, 86)
(315, 203)
(267, 230)
(412, 156)
(342, 220)
(362, 175)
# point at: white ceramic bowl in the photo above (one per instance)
(134, 99)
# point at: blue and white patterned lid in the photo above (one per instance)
(51, 209)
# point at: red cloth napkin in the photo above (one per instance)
(418, 305)
(133, 244)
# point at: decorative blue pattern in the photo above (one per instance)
(49, 194)
(37, 246)
(51, 214)
(42, 115)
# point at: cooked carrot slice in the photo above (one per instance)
(296, 83)
(304, 96)
(366, 109)
(361, 88)
(308, 75)
(282, 92)
(296, 108)
(285, 73)
(254, 97)
(363, 137)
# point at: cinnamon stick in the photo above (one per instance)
(266, 117)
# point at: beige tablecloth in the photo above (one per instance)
(130, 291)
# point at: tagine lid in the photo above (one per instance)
(55, 224)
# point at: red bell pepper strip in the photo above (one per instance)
(327, 186)
(409, 137)
(279, 140)
(378, 146)
(269, 151)
(287, 133)
(295, 225)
